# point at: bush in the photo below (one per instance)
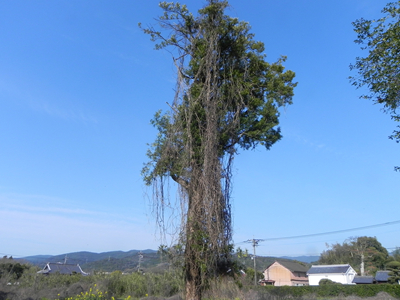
(333, 290)
(326, 281)
(11, 269)
(139, 285)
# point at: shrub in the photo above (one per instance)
(333, 290)
(326, 281)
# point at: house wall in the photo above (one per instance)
(314, 279)
(281, 275)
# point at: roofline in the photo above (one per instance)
(350, 268)
(276, 261)
(339, 265)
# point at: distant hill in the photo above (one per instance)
(147, 260)
(36, 258)
(130, 263)
(84, 257)
(306, 259)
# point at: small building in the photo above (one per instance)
(343, 274)
(382, 277)
(285, 273)
(59, 268)
(363, 279)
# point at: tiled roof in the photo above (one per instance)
(293, 266)
(382, 276)
(363, 279)
(62, 269)
(332, 269)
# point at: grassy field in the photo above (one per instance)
(21, 282)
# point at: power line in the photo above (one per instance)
(13, 255)
(391, 248)
(327, 233)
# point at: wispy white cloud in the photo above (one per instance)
(68, 114)
(48, 210)
(131, 58)
(47, 205)
(42, 101)
(316, 145)
(66, 233)
(46, 227)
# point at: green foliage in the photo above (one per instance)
(138, 286)
(58, 280)
(173, 255)
(394, 268)
(141, 285)
(331, 291)
(248, 86)
(351, 251)
(326, 281)
(101, 286)
(396, 254)
(12, 270)
(242, 253)
(93, 294)
(248, 279)
(380, 70)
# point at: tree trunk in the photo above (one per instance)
(194, 245)
(193, 276)
(362, 264)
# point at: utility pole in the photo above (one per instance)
(255, 243)
(140, 259)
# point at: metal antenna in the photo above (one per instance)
(140, 259)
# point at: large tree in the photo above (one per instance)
(227, 97)
(380, 70)
(365, 254)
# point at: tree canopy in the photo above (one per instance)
(217, 55)
(394, 268)
(227, 97)
(360, 252)
(380, 70)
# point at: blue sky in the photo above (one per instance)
(79, 83)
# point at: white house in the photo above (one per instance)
(343, 274)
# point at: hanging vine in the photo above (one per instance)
(227, 96)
